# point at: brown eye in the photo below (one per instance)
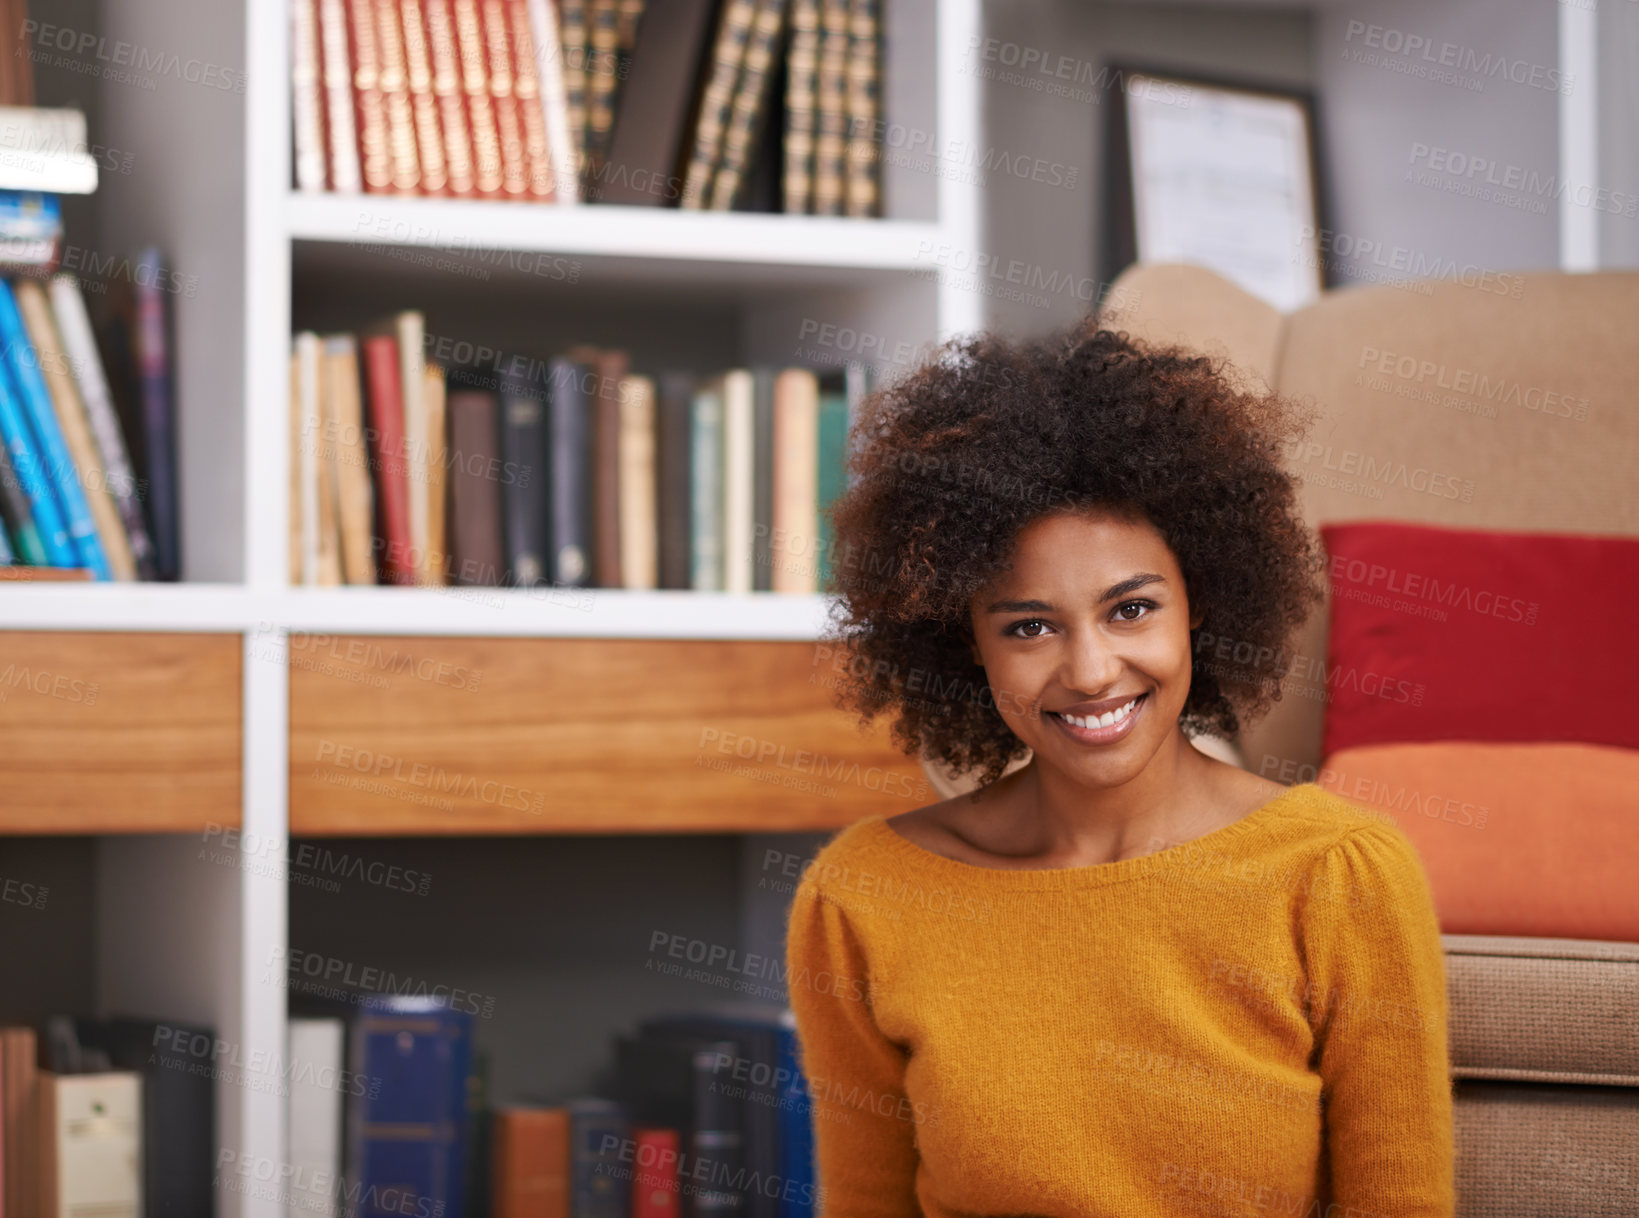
(1142, 607)
(1017, 629)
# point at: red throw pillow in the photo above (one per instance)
(1467, 634)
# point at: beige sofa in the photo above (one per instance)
(1544, 1032)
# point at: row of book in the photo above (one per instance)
(108, 1116)
(571, 470)
(88, 461)
(767, 105)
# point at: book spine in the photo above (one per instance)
(446, 87)
(297, 545)
(80, 346)
(375, 159)
(832, 433)
(601, 82)
(763, 460)
(306, 104)
(410, 330)
(153, 361)
(386, 403)
(674, 454)
(70, 412)
(796, 495)
(341, 131)
(429, 136)
(738, 481)
(328, 567)
(656, 1188)
(706, 485)
(31, 472)
(523, 447)
(526, 90)
(728, 52)
(560, 140)
(355, 500)
(436, 569)
(304, 373)
(486, 139)
(802, 67)
(21, 362)
(750, 104)
(572, 37)
(14, 509)
(571, 464)
(394, 80)
(831, 116)
(639, 546)
(862, 176)
(508, 123)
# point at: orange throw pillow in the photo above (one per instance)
(1516, 839)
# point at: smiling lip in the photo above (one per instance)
(1101, 733)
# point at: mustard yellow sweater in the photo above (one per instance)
(1252, 1023)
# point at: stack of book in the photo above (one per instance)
(763, 105)
(704, 1113)
(108, 1116)
(570, 471)
(88, 482)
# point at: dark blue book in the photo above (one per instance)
(569, 523)
(407, 1134)
(524, 497)
(600, 1164)
(33, 462)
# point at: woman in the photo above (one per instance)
(1124, 979)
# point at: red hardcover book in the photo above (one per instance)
(376, 163)
(509, 126)
(394, 80)
(474, 59)
(655, 1190)
(429, 139)
(387, 455)
(526, 90)
(446, 82)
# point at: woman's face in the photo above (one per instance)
(1085, 644)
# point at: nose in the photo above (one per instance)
(1091, 664)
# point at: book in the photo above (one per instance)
(29, 467)
(738, 480)
(473, 53)
(526, 89)
(340, 128)
(508, 122)
(31, 231)
(801, 103)
(750, 106)
(20, 1118)
(48, 445)
(393, 79)
(424, 111)
(602, 80)
(297, 542)
(605, 367)
(433, 570)
(369, 105)
(861, 102)
(14, 510)
(355, 499)
(406, 1139)
(476, 478)
(716, 100)
(638, 520)
(55, 370)
(313, 1114)
(306, 103)
(91, 1139)
(304, 384)
(763, 459)
(80, 350)
(151, 351)
(449, 96)
(795, 525)
(679, 1077)
(524, 411)
(598, 1183)
(656, 1187)
(569, 519)
(550, 71)
(386, 408)
(650, 144)
(530, 1162)
(832, 438)
(674, 454)
(572, 41)
(831, 112)
(705, 487)
(327, 469)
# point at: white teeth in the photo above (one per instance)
(1105, 720)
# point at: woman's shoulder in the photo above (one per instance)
(856, 849)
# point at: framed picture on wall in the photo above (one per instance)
(1218, 174)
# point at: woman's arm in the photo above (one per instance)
(1377, 976)
(864, 1147)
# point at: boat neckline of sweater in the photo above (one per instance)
(1087, 873)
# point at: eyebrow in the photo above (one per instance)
(1131, 584)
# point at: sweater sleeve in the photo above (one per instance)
(864, 1148)
(1377, 985)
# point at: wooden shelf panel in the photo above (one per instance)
(119, 732)
(430, 735)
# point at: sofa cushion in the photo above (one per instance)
(1470, 634)
(1516, 839)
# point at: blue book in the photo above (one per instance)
(30, 470)
(600, 1161)
(407, 1132)
(23, 369)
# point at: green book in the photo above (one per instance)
(830, 449)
